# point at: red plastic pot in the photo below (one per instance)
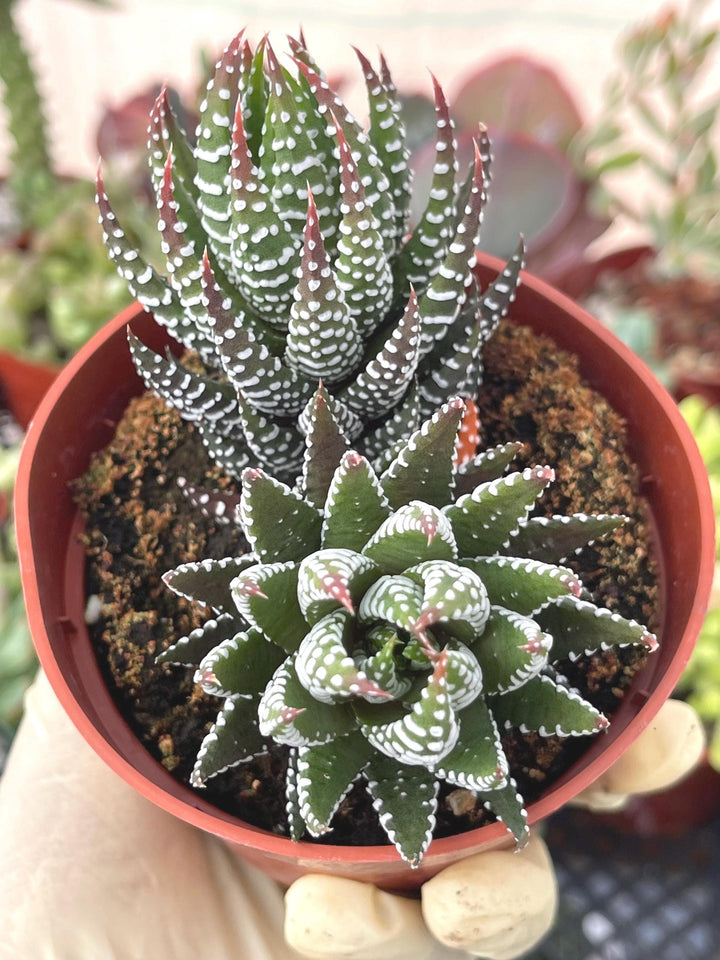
(24, 383)
(77, 417)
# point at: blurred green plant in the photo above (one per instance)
(656, 120)
(700, 683)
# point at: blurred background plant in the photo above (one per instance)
(659, 133)
(700, 683)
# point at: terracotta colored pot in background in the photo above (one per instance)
(77, 418)
(24, 383)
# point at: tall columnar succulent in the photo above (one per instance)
(284, 232)
(390, 626)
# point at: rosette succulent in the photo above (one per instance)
(391, 625)
(284, 234)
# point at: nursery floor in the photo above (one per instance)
(623, 897)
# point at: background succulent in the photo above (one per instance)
(390, 626)
(284, 232)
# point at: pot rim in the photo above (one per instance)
(643, 705)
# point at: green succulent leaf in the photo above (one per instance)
(325, 775)
(383, 443)
(497, 299)
(421, 257)
(453, 596)
(278, 524)
(580, 628)
(325, 446)
(405, 798)
(208, 581)
(296, 824)
(323, 336)
(382, 667)
(380, 385)
(331, 579)
(484, 520)
(233, 738)
(291, 715)
(477, 762)
(547, 707)
(556, 538)
(512, 649)
(489, 465)
(427, 733)
(220, 506)
(423, 468)
(508, 805)
(242, 664)
(392, 600)
(355, 506)
(415, 532)
(266, 597)
(523, 585)
(188, 651)
(165, 136)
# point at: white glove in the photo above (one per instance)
(93, 871)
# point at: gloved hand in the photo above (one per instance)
(93, 871)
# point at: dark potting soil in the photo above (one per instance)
(139, 524)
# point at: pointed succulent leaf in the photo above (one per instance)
(208, 581)
(351, 424)
(477, 762)
(415, 532)
(378, 388)
(194, 396)
(392, 600)
(464, 676)
(382, 443)
(325, 447)
(488, 465)
(244, 346)
(331, 579)
(453, 596)
(382, 667)
(454, 370)
(152, 291)
(484, 520)
(523, 585)
(213, 148)
(166, 136)
(556, 538)
(291, 715)
(323, 337)
(231, 454)
(296, 824)
(446, 295)
(468, 438)
(405, 799)
(325, 775)
(421, 257)
(580, 628)
(274, 444)
(183, 260)
(424, 469)
(232, 739)
(325, 668)
(263, 247)
(242, 664)
(278, 524)
(508, 806)
(355, 506)
(288, 151)
(254, 95)
(547, 707)
(362, 268)
(188, 651)
(265, 595)
(511, 650)
(496, 301)
(427, 733)
(217, 505)
(371, 175)
(387, 133)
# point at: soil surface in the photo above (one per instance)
(139, 524)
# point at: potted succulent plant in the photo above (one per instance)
(386, 604)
